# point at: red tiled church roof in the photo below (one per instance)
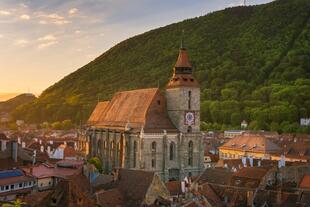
(98, 111)
(136, 109)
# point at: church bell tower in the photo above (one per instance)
(183, 95)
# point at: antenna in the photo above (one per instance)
(244, 2)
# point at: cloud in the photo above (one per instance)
(47, 41)
(47, 44)
(24, 17)
(23, 5)
(1, 36)
(48, 37)
(42, 22)
(53, 18)
(73, 11)
(5, 13)
(61, 22)
(77, 31)
(21, 42)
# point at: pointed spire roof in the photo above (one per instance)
(183, 61)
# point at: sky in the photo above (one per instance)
(43, 41)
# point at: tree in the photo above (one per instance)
(97, 163)
(67, 124)
(57, 125)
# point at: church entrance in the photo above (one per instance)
(174, 174)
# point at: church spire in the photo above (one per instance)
(183, 65)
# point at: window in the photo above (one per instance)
(172, 151)
(20, 185)
(99, 146)
(135, 151)
(49, 183)
(190, 153)
(12, 187)
(153, 148)
(7, 187)
(189, 129)
(189, 99)
(2, 188)
(158, 102)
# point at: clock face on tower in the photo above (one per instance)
(189, 118)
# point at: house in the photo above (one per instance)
(244, 124)
(152, 129)
(233, 133)
(49, 175)
(255, 146)
(135, 188)
(73, 191)
(15, 183)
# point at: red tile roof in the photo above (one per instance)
(97, 113)
(253, 143)
(185, 80)
(251, 172)
(305, 182)
(110, 198)
(136, 109)
(174, 187)
(42, 171)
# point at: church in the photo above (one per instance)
(152, 129)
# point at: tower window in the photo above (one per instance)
(189, 129)
(172, 151)
(190, 153)
(153, 148)
(189, 99)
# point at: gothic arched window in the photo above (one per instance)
(190, 153)
(172, 151)
(99, 148)
(135, 152)
(153, 149)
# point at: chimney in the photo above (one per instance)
(40, 141)
(14, 150)
(51, 142)
(19, 140)
(42, 148)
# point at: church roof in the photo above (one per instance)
(255, 143)
(98, 111)
(136, 109)
(183, 60)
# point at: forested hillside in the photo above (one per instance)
(11, 104)
(253, 63)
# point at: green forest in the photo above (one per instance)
(253, 64)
